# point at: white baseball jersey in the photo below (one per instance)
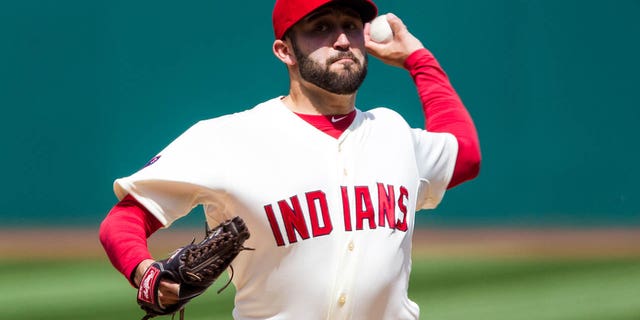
(331, 220)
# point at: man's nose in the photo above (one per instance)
(342, 42)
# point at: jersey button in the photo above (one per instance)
(351, 246)
(342, 300)
(344, 171)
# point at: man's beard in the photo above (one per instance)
(346, 82)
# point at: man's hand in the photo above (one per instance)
(168, 291)
(396, 51)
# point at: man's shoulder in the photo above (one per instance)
(384, 114)
(383, 111)
(244, 117)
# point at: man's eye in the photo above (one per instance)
(321, 27)
(350, 26)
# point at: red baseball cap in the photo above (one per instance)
(287, 12)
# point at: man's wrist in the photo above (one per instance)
(140, 270)
(417, 58)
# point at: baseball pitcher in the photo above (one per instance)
(324, 194)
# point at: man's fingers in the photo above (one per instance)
(396, 24)
(168, 293)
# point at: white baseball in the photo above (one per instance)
(380, 29)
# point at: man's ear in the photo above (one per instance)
(282, 50)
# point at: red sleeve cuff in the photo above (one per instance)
(418, 58)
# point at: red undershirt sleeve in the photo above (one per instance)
(444, 112)
(124, 233)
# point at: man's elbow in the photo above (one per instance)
(467, 163)
(473, 161)
(103, 232)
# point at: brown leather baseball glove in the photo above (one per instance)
(194, 267)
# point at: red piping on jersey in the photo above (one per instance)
(444, 112)
(124, 233)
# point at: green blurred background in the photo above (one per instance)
(90, 90)
(445, 289)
